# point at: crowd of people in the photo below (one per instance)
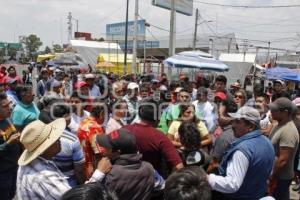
(83, 135)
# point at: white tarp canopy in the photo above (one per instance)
(89, 50)
(239, 66)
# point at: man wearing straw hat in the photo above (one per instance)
(38, 177)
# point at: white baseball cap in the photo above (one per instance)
(132, 86)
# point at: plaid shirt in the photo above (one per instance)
(41, 179)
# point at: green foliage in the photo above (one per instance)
(23, 59)
(99, 39)
(12, 53)
(2, 53)
(32, 45)
(57, 48)
(47, 50)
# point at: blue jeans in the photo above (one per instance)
(282, 190)
(8, 184)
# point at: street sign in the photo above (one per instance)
(182, 6)
(141, 45)
(116, 31)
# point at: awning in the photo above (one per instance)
(195, 59)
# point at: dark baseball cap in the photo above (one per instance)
(121, 140)
(282, 104)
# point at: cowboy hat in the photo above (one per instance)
(37, 137)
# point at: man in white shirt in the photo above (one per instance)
(205, 110)
(94, 90)
(247, 164)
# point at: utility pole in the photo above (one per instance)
(195, 31)
(135, 37)
(172, 34)
(245, 48)
(269, 46)
(229, 44)
(69, 26)
(126, 39)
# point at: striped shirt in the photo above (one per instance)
(41, 179)
(71, 154)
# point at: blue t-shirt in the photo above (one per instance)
(24, 114)
(71, 154)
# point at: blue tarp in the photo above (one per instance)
(282, 73)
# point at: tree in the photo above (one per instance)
(23, 59)
(47, 50)
(57, 48)
(32, 44)
(2, 53)
(99, 39)
(12, 53)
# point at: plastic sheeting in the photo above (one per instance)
(196, 59)
(282, 73)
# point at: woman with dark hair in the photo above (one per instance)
(240, 98)
(187, 114)
(12, 75)
(191, 152)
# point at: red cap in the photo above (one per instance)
(221, 95)
(80, 84)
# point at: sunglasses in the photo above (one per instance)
(184, 96)
(238, 96)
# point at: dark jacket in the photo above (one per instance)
(131, 178)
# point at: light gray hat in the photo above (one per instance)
(247, 113)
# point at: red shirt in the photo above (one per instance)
(154, 145)
(7, 78)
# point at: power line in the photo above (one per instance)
(160, 28)
(247, 6)
(155, 38)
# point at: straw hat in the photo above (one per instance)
(37, 137)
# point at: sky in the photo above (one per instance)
(48, 20)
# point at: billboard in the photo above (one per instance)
(182, 6)
(82, 35)
(116, 31)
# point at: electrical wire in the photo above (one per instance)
(246, 6)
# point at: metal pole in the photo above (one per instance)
(144, 55)
(269, 46)
(136, 15)
(126, 39)
(77, 25)
(172, 34)
(195, 31)
(229, 44)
